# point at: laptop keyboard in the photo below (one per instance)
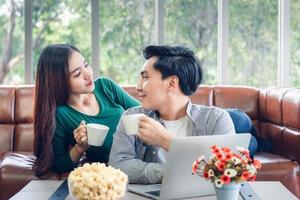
(155, 193)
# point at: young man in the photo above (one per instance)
(167, 79)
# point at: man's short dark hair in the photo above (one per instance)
(179, 61)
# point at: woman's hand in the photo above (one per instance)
(80, 135)
(153, 133)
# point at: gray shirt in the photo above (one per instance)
(140, 160)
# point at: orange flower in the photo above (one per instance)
(219, 155)
(228, 156)
(216, 150)
(226, 149)
(220, 166)
(245, 175)
(252, 178)
(225, 179)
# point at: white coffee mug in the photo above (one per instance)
(96, 133)
(131, 123)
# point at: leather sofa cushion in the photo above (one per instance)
(270, 158)
(291, 109)
(7, 105)
(272, 132)
(24, 104)
(24, 137)
(16, 171)
(270, 104)
(6, 137)
(291, 142)
(278, 168)
(243, 98)
(203, 96)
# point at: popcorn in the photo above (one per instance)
(96, 181)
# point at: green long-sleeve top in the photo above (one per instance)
(113, 101)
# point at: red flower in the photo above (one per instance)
(228, 156)
(225, 179)
(205, 175)
(245, 175)
(216, 151)
(219, 155)
(252, 178)
(220, 166)
(194, 167)
(213, 147)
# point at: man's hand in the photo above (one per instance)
(153, 133)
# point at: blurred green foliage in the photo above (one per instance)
(127, 26)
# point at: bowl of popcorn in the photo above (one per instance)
(96, 181)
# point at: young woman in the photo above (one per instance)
(66, 98)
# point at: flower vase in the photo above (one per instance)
(228, 191)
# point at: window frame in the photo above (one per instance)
(283, 41)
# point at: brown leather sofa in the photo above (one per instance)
(274, 111)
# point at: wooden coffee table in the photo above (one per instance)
(43, 189)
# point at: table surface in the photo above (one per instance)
(43, 189)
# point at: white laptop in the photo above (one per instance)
(178, 181)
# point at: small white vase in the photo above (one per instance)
(228, 191)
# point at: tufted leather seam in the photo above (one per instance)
(281, 113)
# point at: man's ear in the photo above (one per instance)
(173, 82)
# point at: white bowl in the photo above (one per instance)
(71, 194)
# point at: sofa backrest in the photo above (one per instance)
(16, 118)
(274, 111)
(280, 120)
(243, 98)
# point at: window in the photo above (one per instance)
(253, 43)
(295, 43)
(66, 21)
(12, 40)
(126, 27)
(193, 24)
